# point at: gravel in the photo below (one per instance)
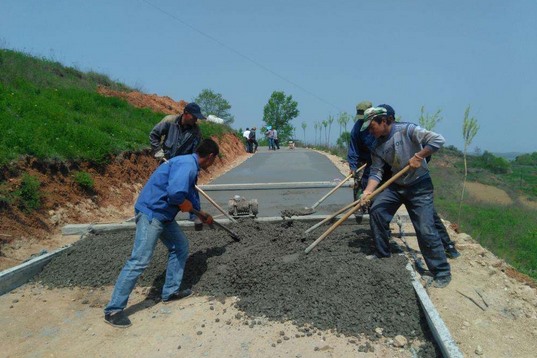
(334, 287)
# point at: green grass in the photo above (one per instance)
(84, 180)
(29, 195)
(54, 112)
(510, 232)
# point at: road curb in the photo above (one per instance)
(437, 326)
(19, 275)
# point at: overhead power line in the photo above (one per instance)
(240, 54)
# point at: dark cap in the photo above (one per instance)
(388, 108)
(194, 110)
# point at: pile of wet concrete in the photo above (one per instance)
(332, 287)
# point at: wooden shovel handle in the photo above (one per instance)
(355, 208)
(337, 187)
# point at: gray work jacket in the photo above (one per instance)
(178, 140)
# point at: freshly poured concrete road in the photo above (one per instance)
(282, 166)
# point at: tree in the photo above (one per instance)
(279, 112)
(343, 119)
(330, 121)
(213, 103)
(325, 125)
(344, 140)
(315, 127)
(304, 125)
(469, 130)
(428, 121)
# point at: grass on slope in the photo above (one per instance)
(509, 231)
(50, 111)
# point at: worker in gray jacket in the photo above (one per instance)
(399, 145)
(177, 137)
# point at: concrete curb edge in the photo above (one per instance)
(438, 328)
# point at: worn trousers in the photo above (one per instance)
(147, 234)
(418, 200)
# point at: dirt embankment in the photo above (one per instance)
(63, 201)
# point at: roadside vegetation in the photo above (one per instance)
(508, 230)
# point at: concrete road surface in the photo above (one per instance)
(282, 166)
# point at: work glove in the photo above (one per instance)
(206, 218)
(159, 155)
(186, 206)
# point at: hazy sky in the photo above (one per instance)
(328, 55)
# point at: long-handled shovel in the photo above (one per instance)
(355, 208)
(229, 231)
(215, 204)
(343, 209)
(312, 209)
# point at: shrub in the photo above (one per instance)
(6, 198)
(29, 194)
(84, 180)
(493, 163)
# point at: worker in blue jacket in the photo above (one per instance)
(170, 189)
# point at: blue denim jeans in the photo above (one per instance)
(418, 200)
(145, 241)
(271, 145)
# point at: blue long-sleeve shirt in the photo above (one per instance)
(359, 148)
(169, 185)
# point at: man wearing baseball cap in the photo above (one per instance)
(399, 145)
(359, 154)
(178, 136)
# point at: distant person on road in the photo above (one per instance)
(398, 145)
(170, 189)
(269, 133)
(246, 135)
(177, 136)
(253, 141)
(359, 154)
(276, 140)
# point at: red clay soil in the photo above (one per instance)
(141, 100)
(116, 184)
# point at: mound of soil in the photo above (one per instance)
(333, 287)
(161, 104)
